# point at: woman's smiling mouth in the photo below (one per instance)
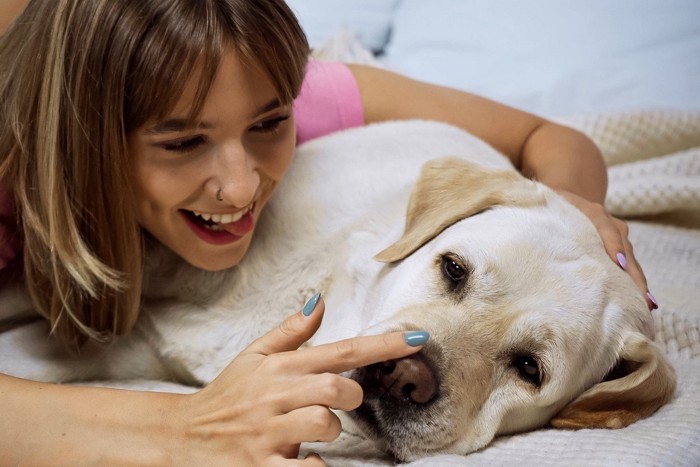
(220, 229)
(222, 218)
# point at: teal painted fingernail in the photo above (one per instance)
(311, 305)
(416, 338)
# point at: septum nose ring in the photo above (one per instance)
(218, 195)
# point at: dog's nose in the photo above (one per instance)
(409, 379)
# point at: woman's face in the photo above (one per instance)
(240, 147)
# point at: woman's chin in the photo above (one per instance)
(214, 261)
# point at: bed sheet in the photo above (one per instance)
(551, 57)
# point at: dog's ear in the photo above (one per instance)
(451, 189)
(643, 381)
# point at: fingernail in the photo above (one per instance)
(653, 301)
(416, 338)
(311, 305)
(622, 261)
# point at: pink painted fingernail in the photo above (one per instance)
(653, 301)
(622, 261)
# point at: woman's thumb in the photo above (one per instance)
(293, 331)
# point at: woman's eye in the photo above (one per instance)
(271, 125)
(184, 145)
(528, 369)
(453, 270)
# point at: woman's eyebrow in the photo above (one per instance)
(174, 125)
(272, 105)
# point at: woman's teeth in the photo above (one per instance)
(222, 218)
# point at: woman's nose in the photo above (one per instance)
(235, 179)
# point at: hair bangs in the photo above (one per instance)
(277, 45)
(171, 52)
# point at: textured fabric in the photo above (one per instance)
(654, 159)
(329, 101)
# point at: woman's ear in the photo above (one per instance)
(451, 189)
(643, 381)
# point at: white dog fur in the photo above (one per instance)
(539, 286)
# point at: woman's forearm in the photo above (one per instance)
(553, 154)
(55, 424)
(565, 159)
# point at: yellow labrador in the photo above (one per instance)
(531, 323)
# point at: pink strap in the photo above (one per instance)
(329, 101)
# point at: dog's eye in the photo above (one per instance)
(528, 369)
(453, 270)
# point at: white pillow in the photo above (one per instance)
(554, 57)
(370, 20)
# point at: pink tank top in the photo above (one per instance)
(329, 101)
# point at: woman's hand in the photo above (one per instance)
(614, 233)
(274, 396)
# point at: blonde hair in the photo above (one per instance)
(75, 77)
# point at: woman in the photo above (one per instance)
(175, 120)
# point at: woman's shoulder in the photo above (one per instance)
(329, 101)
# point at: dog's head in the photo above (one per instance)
(531, 322)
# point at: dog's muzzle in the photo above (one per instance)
(399, 395)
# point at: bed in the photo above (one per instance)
(627, 73)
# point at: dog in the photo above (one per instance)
(404, 226)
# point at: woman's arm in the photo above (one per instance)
(560, 157)
(51, 424)
(557, 156)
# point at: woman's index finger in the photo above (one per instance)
(356, 352)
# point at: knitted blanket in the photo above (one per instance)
(654, 159)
